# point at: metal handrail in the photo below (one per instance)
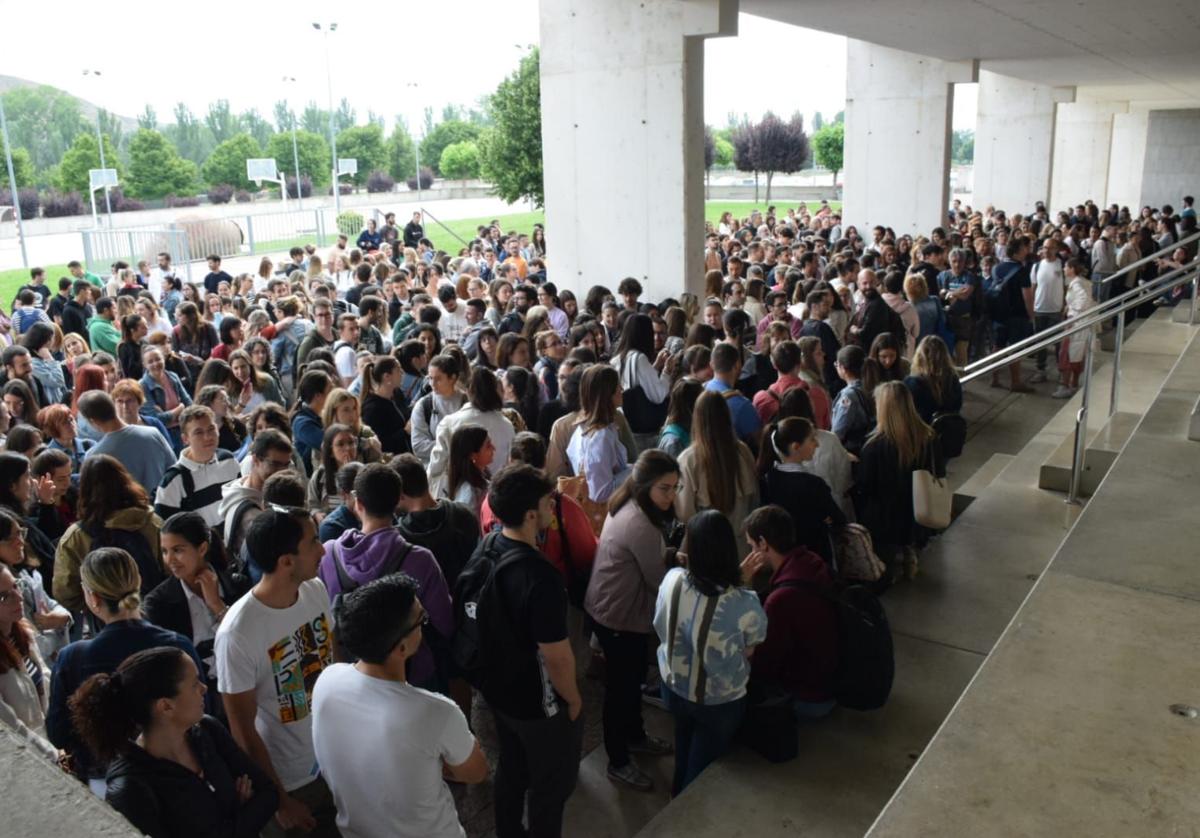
(1145, 260)
(1105, 311)
(444, 227)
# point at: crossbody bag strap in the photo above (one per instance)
(673, 617)
(710, 608)
(562, 539)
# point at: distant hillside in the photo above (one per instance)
(86, 108)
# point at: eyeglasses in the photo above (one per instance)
(419, 624)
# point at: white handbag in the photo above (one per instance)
(932, 499)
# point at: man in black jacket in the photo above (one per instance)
(413, 231)
(78, 310)
(447, 529)
(874, 316)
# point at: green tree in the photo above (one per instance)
(148, 118)
(828, 146)
(366, 144)
(460, 161)
(283, 116)
(401, 153)
(315, 160)
(191, 136)
(314, 119)
(114, 129)
(444, 134)
(156, 169)
(221, 121)
(839, 117)
(256, 126)
(778, 146)
(22, 169)
(344, 117)
(722, 152)
(511, 151)
(227, 163)
(44, 120)
(82, 156)
(962, 146)
(818, 122)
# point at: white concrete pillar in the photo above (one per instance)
(898, 119)
(623, 139)
(1172, 160)
(1127, 158)
(1014, 141)
(1082, 148)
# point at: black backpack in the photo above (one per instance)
(135, 544)
(645, 417)
(996, 293)
(480, 618)
(951, 430)
(866, 664)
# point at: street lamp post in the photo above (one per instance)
(337, 192)
(417, 139)
(12, 183)
(100, 145)
(295, 154)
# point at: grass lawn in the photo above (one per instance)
(442, 235)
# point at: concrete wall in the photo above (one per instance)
(623, 138)
(1082, 142)
(1172, 159)
(1014, 141)
(1127, 155)
(898, 118)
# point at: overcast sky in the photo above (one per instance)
(150, 52)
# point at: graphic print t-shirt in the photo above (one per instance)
(278, 653)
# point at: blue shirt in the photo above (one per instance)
(738, 623)
(143, 452)
(746, 422)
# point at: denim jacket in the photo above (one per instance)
(156, 397)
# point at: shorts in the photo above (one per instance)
(960, 325)
(1013, 330)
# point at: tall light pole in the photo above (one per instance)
(100, 144)
(417, 139)
(337, 191)
(12, 183)
(295, 150)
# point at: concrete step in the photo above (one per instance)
(1101, 451)
(979, 481)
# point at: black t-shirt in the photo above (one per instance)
(537, 613)
(413, 233)
(41, 293)
(1015, 287)
(214, 279)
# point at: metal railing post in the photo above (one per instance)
(133, 260)
(250, 234)
(1115, 396)
(320, 219)
(1195, 289)
(1081, 420)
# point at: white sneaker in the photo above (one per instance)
(1062, 393)
(1038, 377)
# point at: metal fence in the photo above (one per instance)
(195, 239)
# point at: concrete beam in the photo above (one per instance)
(1014, 141)
(898, 121)
(623, 138)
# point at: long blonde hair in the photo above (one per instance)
(333, 401)
(897, 420)
(932, 362)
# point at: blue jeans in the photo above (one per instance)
(703, 733)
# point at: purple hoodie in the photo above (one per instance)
(364, 555)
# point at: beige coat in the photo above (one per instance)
(693, 496)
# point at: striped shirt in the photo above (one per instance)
(189, 486)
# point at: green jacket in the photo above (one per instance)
(103, 335)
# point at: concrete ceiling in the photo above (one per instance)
(1148, 50)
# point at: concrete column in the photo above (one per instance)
(1127, 157)
(898, 118)
(1014, 141)
(623, 139)
(1082, 147)
(1172, 162)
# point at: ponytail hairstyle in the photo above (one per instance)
(312, 384)
(109, 711)
(112, 575)
(374, 372)
(129, 324)
(778, 439)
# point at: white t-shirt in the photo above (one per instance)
(381, 745)
(1049, 287)
(278, 653)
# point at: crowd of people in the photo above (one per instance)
(268, 541)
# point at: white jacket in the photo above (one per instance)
(498, 427)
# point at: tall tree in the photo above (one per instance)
(743, 159)
(376, 119)
(839, 117)
(22, 169)
(221, 121)
(114, 129)
(460, 161)
(345, 116)
(828, 144)
(315, 119)
(710, 156)
(315, 160)
(148, 118)
(364, 143)
(254, 124)
(156, 169)
(189, 135)
(284, 117)
(427, 124)
(401, 152)
(778, 146)
(44, 120)
(818, 122)
(962, 146)
(444, 134)
(511, 150)
(227, 163)
(82, 156)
